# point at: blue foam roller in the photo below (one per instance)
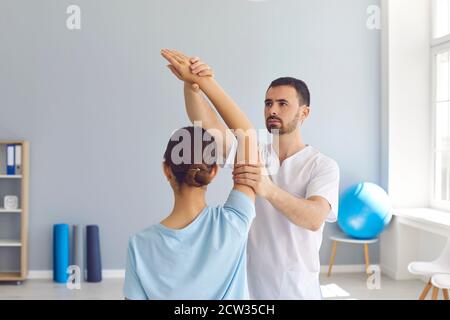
(93, 257)
(60, 252)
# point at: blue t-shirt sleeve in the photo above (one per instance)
(239, 209)
(133, 289)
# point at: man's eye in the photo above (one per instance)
(283, 104)
(268, 104)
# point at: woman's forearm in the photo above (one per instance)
(231, 114)
(235, 119)
(200, 112)
(198, 109)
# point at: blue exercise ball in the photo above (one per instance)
(364, 211)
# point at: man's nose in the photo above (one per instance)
(273, 110)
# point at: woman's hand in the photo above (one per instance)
(180, 64)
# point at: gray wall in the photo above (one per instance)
(98, 104)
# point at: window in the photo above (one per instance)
(440, 48)
(441, 21)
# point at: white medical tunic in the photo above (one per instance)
(283, 259)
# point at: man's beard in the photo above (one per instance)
(289, 128)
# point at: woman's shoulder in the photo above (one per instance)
(144, 235)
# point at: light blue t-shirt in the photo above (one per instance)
(205, 260)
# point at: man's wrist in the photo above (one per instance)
(272, 192)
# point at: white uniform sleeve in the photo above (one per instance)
(325, 183)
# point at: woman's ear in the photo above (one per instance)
(167, 171)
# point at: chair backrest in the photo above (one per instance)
(444, 258)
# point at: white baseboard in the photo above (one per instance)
(120, 273)
(344, 268)
(48, 274)
(40, 274)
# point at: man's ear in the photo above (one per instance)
(214, 171)
(304, 113)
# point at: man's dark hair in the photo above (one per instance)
(299, 86)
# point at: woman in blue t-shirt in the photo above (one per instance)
(198, 251)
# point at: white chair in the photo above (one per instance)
(440, 281)
(428, 269)
(343, 238)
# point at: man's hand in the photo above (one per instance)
(254, 177)
(201, 69)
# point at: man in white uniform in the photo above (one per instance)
(298, 192)
(298, 196)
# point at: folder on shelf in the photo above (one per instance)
(18, 158)
(10, 161)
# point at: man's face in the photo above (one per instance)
(283, 110)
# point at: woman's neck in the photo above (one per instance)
(189, 203)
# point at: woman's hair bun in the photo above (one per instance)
(190, 170)
(198, 175)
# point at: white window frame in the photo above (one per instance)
(437, 46)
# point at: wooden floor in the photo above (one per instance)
(339, 286)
